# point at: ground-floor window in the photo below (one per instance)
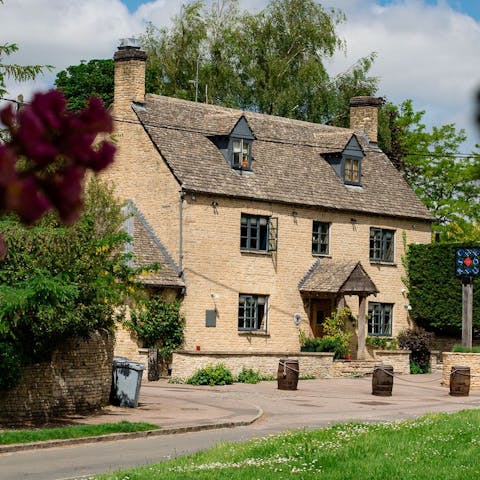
(380, 317)
(252, 312)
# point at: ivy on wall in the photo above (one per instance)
(435, 293)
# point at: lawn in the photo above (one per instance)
(75, 431)
(444, 446)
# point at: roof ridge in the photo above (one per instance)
(239, 111)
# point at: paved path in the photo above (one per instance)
(316, 403)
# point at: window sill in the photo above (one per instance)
(321, 255)
(386, 264)
(253, 333)
(256, 252)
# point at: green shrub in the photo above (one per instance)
(336, 339)
(10, 366)
(59, 282)
(382, 343)
(434, 292)
(415, 368)
(212, 375)
(311, 344)
(247, 375)
(462, 349)
(332, 344)
(418, 341)
(158, 323)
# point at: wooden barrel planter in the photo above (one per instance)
(287, 376)
(460, 381)
(382, 380)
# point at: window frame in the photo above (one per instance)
(348, 173)
(256, 320)
(317, 244)
(381, 247)
(377, 313)
(243, 143)
(263, 233)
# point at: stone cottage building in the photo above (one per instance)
(271, 222)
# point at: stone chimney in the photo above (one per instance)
(364, 116)
(129, 77)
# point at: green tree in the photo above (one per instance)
(20, 73)
(432, 164)
(80, 82)
(271, 62)
(57, 281)
(285, 47)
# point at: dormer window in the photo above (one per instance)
(236, 147)
(241, 153)
(347, 163)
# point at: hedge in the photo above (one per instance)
(435, 293)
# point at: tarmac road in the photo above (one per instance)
(315, 404)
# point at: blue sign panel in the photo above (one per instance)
(467, 262)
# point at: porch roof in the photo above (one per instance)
(346, 277)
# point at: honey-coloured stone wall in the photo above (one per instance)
(77, 380)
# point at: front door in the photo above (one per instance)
(321, 308)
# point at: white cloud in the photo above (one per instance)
(427, 53)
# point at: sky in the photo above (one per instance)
(427, 50)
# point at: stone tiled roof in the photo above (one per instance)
(148, 249)
(337, 276)
(287, 166)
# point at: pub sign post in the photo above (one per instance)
(467, 266)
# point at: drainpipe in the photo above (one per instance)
(181, 195)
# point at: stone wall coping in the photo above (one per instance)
(460, 353)
(396, 352)
(254, 354)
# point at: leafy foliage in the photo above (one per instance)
(248, 375)
(80, 82)
(432, 165)
(57, 282)
(418, 341)
(272, 61)
(10, 366)
(462, 349)
(335, 338)
(212, 375)
(20, 73)
(382, 343)
(434, 292)
(156, 322)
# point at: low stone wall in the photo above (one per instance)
(399, 359)
(452, 359)
(317, 364)
(185, 363)
(77, 380)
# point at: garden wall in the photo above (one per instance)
(452, 359)
(77, 380)
(317, 364)
(185, 363)
(399, 359)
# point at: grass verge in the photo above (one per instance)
(8, 437)
(443, 446)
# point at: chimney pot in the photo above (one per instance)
(130, 42)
